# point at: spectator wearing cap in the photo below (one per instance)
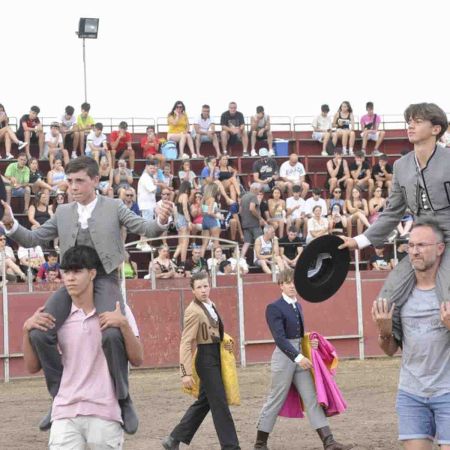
(260, 130)
(321, 125)
(382, 173)
(150, 146)
(54, 145)
(178, 131)
(265, 171)
(30, 130)
(85, 123)
(120, 141)
(293, 173)
(370, 131)
(205, 131)
(97, 144)
(233, 129)
(18, 176)
(338, 174)
(361, 173)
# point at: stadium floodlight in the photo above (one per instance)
(87, 29)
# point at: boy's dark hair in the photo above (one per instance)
(21, 154)
(428, 111)
(292, 229)
(83, 163)
(86, 107)
(151, 127)
(99, 126)
(296, 188)
(35, 109)
(359, 154)
(259, 109)
(369, 105)
(198, 276)
(317, 191)
(224, 264)
(80, 257)
(70, 110)
(52, 254)
(123, 125)
(206, 106)
(325, 108)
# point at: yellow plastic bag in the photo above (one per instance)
(229, 374)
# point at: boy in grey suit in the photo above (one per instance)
(94, 221)
(421, 182)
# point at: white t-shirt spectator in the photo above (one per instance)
(291, 202)
(313, 225)
(146, 191)
(203, 124)
(9, 253)
(32, 252)
(242, 264)
(96, 141)
(68, 123)
(292, 173)
(50, 139)
(321, 123)
(310, 203)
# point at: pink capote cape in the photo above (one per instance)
(324, 360)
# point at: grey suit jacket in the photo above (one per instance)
(104, 226)
(405, 193)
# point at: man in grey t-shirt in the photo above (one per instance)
(423, 399)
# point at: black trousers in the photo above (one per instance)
(211, 397)
(106, 294)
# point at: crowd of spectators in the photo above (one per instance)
(275, 208)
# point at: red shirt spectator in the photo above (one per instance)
(123, 142)
(149, 147)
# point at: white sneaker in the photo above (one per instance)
(74, 155)
(245, 153)
(21, 145)
(146, 248)
(224, 152)
(376, 153)
(271, 152)
(324, 153)
(147, 277)
(253, 152)
(9, 156)
(139, 245)
(350, 152)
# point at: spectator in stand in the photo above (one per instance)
(8, 135)
(315, 200)
(178, 131)
(336, 199)
(292, 173)
(195, 210)
(31, 258)
(266, 251)
(36, 181)
(361, 173)
(251, 217)
(322, 128)
(291, 247)
(233, 129)
(376, 205)
(263, 206)
(260, 130)
(339, 174)
(211, 216)
(18, 175)
(67, 124)
(41, 211)
(379, 261)
(210, 172)
(402, 251)
(242, 263)
(85, 124)
(186, 174)
(59, 199)
(54, 145)
(167, 179)
(146, 191)
(216, 260)
(183, 222)
(225, 268)
(370, 124)
(344, 123)
(30, 131)
(205, 131)
(162, 265)
(57, 177)
(97, 144)
(277, 211)
(403, 228)
(106, 177)
(337, 220)
(196, 263)
(317, 225)
(51, 264)
(121, 145)
(295, 211)
(227, 175)
(13, 271)
(130, 268)
(265, 171)
(122, 177)
(150, 146)
(382, 173)
(358, 211)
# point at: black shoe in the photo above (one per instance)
(129, 416)
(169, 443)
(46, 423)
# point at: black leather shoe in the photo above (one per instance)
(46, 423)
(129, 416)
(169, 443)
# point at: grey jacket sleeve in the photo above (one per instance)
(391, 216)
(40, 236)
(137, 225)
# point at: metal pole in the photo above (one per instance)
(240, 292)
(5, 321)
(29, 273)
(359, 306)
(123, 284)
(213, 269)
(84, 64)
(153, 274)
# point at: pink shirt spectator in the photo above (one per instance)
(366, 119)
(86, 386)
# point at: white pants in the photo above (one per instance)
(85, 432)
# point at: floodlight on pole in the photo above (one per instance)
(87, 29)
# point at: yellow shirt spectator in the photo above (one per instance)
(85, 122)
(180, 127)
